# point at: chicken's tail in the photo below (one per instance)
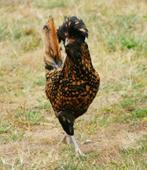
(52, 57)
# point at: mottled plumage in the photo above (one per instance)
(71, 87)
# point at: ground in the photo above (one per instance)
(113, 132)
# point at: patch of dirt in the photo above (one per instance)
(40, 134)
(36, 138)
(39, 144)
(42, 141)
(110, 141)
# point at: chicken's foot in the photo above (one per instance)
(77, 148)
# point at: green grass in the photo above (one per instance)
(140, 113)
(4, 128)
(117, 119)
(52, 4)
(29, 117)
(40, 81)
(3, 31)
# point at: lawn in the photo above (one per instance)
(116, 122)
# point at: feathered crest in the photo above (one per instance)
(72, 27)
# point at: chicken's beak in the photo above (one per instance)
(66, 42)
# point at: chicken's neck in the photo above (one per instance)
(78, 61)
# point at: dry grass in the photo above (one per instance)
(116, 122)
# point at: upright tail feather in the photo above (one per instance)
(52, 56)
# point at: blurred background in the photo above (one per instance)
(116, 122)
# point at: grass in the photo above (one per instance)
(116, 122)
(29, 117)
(4, 128)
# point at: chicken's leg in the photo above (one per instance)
(77, 148)
(71, 140)
(66, 139)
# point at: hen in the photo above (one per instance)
(70, 86)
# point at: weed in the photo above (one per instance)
(4, 128)
(140, 113)
(29, 117)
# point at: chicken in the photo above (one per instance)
(70, 86)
